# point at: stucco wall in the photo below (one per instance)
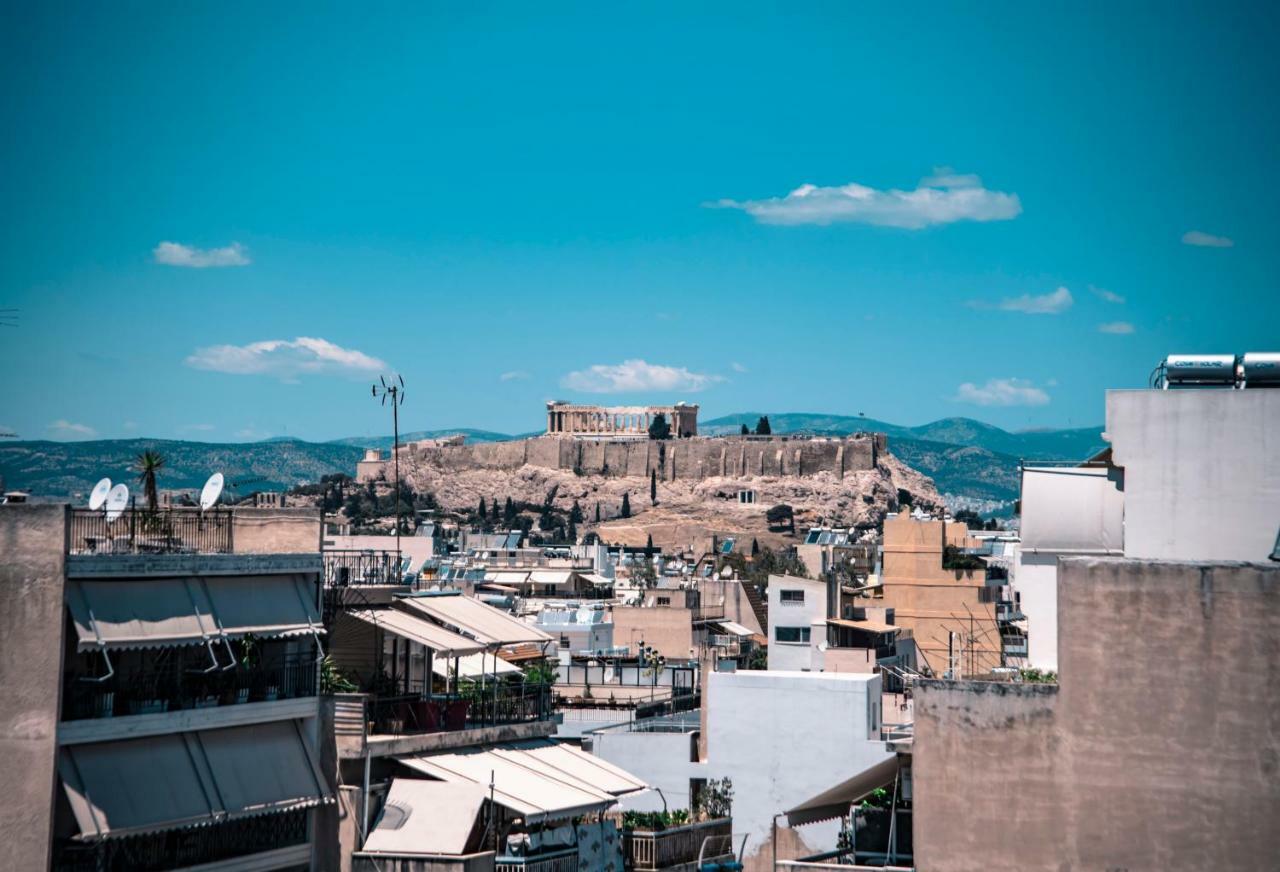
(668, 630)
(661, 760)
(275, 531)
(1035, 578)
(1160, 750)
(33, 549)
(812, 613)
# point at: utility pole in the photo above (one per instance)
(396, 392)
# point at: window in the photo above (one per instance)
(664, 600)
(791, 634)
(791, 597)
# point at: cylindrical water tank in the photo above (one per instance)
(1200, 368)
(1261, 367)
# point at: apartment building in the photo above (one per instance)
(163, 679)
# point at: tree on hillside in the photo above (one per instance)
(597, 513)
(148, 464)
(573, 531)
(482, 512)
(626, 506)
(762, 426)
(494, 515)
(781, 514)
(653, 486)
(509, 514)
(575, 513)
(648, 546)
(746, 431)
(659, 428)
(755, 549)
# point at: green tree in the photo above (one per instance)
(746, 431)
(509, 513)
(755, 548)
(659, 428)
(762, 426)
(648, 546)
(482, 512)
(653, 486)
(626, 506)
(575, 513)
(148, 464)
(597, 513)
(573, 531)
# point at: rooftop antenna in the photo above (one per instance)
(117, 499)
(211, 491)
(98, 496)
(395, 391)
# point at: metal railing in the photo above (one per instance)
(493, 705)
(345, 568)
(174, 688)
(648, 851)
(141, 531)
(559, 861)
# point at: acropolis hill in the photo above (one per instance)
(594, 455)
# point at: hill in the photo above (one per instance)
(384, 442)
(68, 469)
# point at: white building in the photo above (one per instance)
(797, 621)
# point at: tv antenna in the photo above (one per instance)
(211, 491)
(117, 499)
(98, 496)
(395, 391)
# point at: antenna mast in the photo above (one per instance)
(395, 391)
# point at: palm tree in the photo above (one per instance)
(147, 465)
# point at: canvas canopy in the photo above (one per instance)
(473, 618)
(867, 626)
(1072, 509)
(552, 577)
(155, 612)
(426, 817)
(188, 779)
(420, 630)
(475, 665)
(835, 801)
(733, 629)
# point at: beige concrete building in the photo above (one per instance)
(950, 612)
(567, 419)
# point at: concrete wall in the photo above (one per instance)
(812, 613)
(275, 531)
(783, 737)
(668, 630)
(661, 760)
(33, 541)
(1160, 750)
(1201, 472)
(1035, 579)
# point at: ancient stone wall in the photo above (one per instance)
(685, 459)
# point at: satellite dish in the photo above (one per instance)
(98, 495)
(117, 499)
(211, 491)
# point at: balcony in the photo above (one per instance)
(481, 862)
(1014, 645)
(343, 568)
(649, 851)
(553, 861)
(282, 834)
(155, 682)
(139, 531)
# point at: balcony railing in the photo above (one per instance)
(352, 568)
(176, 849)
(159, 690)
(491, 706)
(557, 861)
(140, 531)
(379, 862)
(648, 851)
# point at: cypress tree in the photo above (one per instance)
(626, 506)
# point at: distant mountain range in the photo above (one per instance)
(963, 456)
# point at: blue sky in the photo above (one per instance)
(223, 220)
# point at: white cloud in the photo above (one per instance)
(130, 425)
(737, 367)
(943, 198)
(1001, 392)
(1198, 237)
(196, 428)
(67, 430)
(1119, 328)
(1053, 303)
(177, 254)
(637, 375)
(286, 359)
(1108, 296)
(514, 375)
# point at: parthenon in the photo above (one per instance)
(625, 422)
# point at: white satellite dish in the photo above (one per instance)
(98, 495)
(117, 499)
(211, 491)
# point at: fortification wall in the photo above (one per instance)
(686, 459)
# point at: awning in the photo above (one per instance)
(835, 801)
(474, 666)
(420, 630)
(733, 629)
(598, 580)
(550, 576)
(538, 780)
(190, 611)
(1077, 509)
(189, 779)
(867, 626)
(516, 577)
(426, 817)
(473, 618)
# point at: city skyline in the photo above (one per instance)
(231, 223)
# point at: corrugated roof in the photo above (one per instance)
(418, 629)
(483, 623)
